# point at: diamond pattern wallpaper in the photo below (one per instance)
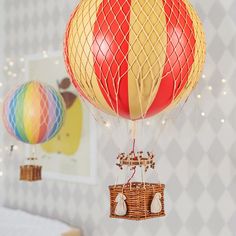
(196, 151)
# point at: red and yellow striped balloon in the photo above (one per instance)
(134, 58)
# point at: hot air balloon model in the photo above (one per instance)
(134, 59)
(33, 113)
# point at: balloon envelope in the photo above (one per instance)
(33, 113)
(134, 58)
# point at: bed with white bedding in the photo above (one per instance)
(19, 223)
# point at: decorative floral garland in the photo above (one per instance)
(136, 159)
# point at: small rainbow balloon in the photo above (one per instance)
(33, 113)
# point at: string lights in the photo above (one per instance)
(8, 151)
(56, 62)
(45, 54)
(203, 114)
(107, 124)
(15, 147)
(12, 67)
(222, 121)
(11, 63)
(209, 88)
(163, 122)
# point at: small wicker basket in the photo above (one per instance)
(139, 197)
(30, 173)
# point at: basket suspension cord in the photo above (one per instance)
(157, 174)
(133, 134)
(33, 157)
(131, 177)
(133, 146)
(143, 177)
(34, 151)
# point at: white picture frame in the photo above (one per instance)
(33, 61)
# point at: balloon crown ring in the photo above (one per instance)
(136, 159)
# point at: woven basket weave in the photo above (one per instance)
(30, 172)
(139, 197)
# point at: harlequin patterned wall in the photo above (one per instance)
(197, 151)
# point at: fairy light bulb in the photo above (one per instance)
(199, 96)
(163, 122)
(45, 55)
(203, 114)
(11, 63)
(222, 121)
(107, 124)
(203, 76)
(210, 88)
(148, 123)
(223, 81)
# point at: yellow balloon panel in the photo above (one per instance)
(147, 46)
(79, 49)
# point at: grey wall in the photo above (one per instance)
(196, 153)
(1, 87)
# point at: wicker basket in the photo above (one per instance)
(30, 172)
(139, 197)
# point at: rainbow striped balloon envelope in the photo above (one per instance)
(134, 58)
(33, 113)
